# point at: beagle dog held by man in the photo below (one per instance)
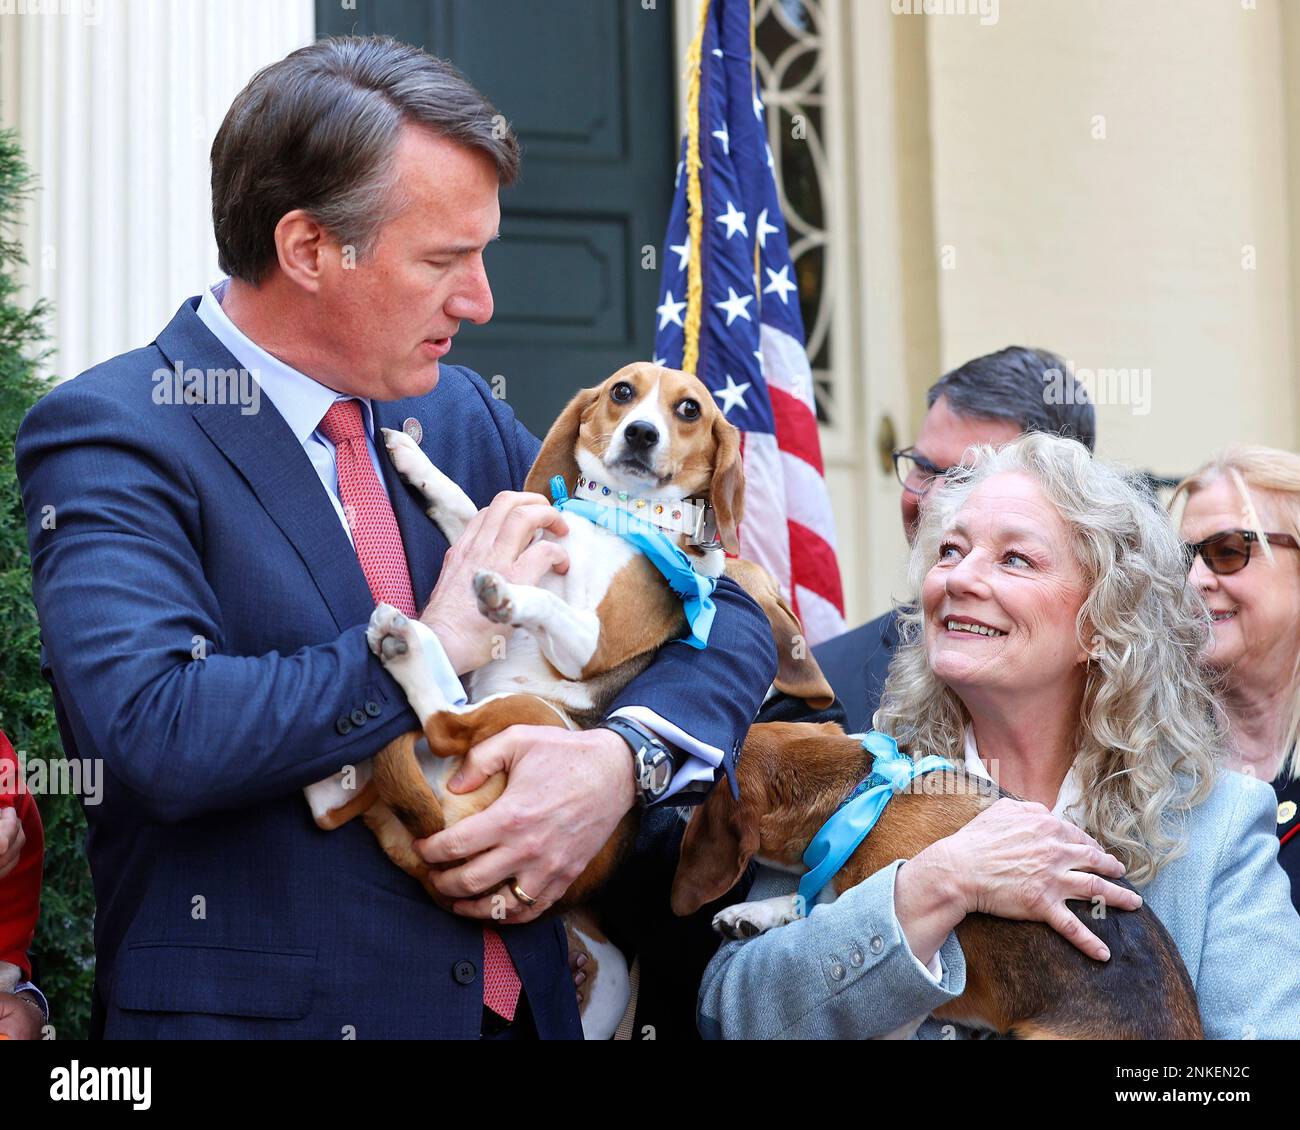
(657, 496)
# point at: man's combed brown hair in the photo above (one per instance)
(318, 131)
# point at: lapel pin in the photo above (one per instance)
(411, 426)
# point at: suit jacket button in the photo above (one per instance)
(877, 944)
(373, 708)
(837, 971)
(464, 972)
(343, 725)
(358, 717)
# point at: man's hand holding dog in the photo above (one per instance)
(566, 792)
(500, 538)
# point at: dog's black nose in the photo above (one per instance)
(640, 435)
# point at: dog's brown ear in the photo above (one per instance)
(556, 456)
(718, 843)
(797, 672)
(727, 491)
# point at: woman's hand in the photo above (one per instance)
(1016, 860)
(12, 839)
(20, 1018)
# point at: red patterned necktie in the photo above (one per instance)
(378, 543)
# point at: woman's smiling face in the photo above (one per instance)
(1002, 597)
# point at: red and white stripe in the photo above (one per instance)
(785, 480)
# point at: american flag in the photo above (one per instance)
(729, 312)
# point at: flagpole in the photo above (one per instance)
(753, 94)
(694, 200)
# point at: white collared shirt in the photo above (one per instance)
(300, 399)
(1068, 796)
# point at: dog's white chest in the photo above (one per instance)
(595, 559)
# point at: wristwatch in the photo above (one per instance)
(652, 761)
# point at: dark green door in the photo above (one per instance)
(588, 87)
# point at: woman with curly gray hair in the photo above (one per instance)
(1054, 647)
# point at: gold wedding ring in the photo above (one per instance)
(527, 900)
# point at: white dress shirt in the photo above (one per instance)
(303, 402)
(1068, 796)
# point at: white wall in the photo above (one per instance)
(1099, 167)
(117, 118)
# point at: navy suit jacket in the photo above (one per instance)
(203, 620)
(856, 663)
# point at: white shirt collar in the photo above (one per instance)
(300, 399)
(1067, 798)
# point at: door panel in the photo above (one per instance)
(587, 86)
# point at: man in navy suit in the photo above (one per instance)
(989, 400)
(204, 583)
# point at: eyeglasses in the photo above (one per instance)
(1229, 551)
(916, 472)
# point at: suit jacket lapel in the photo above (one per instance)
(266, 453)
(423, 541)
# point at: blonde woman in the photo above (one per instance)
(1241, 523)
(1054, 646)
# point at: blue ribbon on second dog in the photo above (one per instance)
(891, 772)
(695, 590)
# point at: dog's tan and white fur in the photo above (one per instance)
(653, 433)
(1022, 978)
(656, 433)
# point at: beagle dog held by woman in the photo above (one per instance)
(1022, 978)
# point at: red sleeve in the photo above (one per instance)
(20, 890)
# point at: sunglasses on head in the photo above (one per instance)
(1229, 551)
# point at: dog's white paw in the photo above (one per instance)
(391, 634)
(493, 592)
(410, 461)
(749, 919)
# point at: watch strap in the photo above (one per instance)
(642, 742)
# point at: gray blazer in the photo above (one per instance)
(846, 972)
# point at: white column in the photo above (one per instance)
(880, 165)
(116, 103)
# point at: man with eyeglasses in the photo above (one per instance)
(990, 400)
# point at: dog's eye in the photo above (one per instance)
(622, 392)
(689, 410)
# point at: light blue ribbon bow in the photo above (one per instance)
(695, 590)
(839, 837)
